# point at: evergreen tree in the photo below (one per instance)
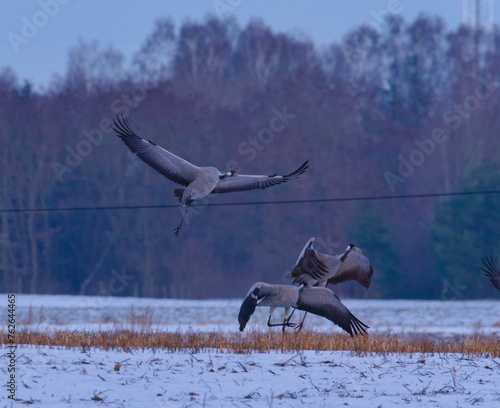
(467, 229)
(374, 238)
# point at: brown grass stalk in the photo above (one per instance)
(260, 341)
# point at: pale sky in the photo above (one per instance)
(35, 36)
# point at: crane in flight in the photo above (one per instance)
(198, 182)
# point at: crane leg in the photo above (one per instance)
(298, 327)
(178, 228)
(291, 314)
(283, 325)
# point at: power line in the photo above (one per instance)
(280, 202)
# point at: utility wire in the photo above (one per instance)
(305, 201)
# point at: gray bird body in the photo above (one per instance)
(202, 185)
(320, 301)
(278, 295)
(315, 268)
(198, 181)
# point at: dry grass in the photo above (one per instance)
(260, 341)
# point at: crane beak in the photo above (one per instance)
(347, 251)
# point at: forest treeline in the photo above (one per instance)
(411, 108)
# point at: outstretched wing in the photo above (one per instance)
(491, 271)
(356, 267)
(241, 182)
(171, 166)
(323, 302)
(309, 268)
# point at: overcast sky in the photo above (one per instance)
(36, 35)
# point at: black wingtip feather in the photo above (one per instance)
(299, 171)
(491, 271)
(292, 175)
(122, 127)
(357, 326)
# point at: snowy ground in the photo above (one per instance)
(437, 318)
(58, 377)
(54, 377)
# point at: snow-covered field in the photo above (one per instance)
(61, 377)
(438, 318)
(51, 377)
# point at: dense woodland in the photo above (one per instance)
(407, 108)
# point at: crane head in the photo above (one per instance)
(227, 174)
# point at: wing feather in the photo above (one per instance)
(242, 182)
(168, 164)
(491, 271)
(356, 267)
(310, 267)
(323, 302)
